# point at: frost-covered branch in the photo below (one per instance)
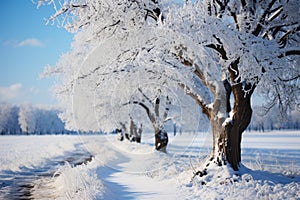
(149, 114)
(198, 100)
(145, 96)
(262, 19)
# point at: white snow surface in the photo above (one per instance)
(124, 170)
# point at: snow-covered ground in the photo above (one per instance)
(100, 167)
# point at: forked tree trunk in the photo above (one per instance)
(161, 136)
(242, 92)
(227, 139)
(227, 136)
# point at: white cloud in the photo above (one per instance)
(33, 42)
(30, 42)
(10, 93)
(18, 94)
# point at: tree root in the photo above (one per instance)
(215, 169)
(200, 174)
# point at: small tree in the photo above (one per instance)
(152, 108)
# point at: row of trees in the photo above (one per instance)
(27, 119)
(262, 121)
(205, 51)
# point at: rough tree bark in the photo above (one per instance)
(242, 113)
(228, 135)
(233, 131)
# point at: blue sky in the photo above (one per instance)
(27, 44)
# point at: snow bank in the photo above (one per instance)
(34, 152)
(80, 182)
(28, 151)
(246, 184)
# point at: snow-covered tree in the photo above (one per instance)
(240, 58)
(30, 119)
(9, 119)
(156, 115)
(210, 49)
(27, 119)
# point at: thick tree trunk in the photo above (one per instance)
(219, 142)
(241, 119)
(227, 139)
(227, 136)
(242, 112)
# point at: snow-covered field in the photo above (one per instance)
(100, 167)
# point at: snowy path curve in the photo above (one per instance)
(125, 177)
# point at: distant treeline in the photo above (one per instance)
(273, 120)
(28, 120)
